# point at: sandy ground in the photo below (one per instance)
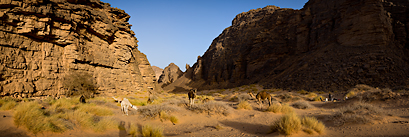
(240, 123)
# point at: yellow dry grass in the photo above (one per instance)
(312, 124)
(244, 105)
(288, 124)
(291, 123)
(277, 108)
(150, 131)
(63, 114)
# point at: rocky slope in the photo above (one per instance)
(44, 42)
(170, 74)
(327, 45)
(158, 71)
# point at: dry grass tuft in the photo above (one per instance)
(302, 105)
(213, 107)
(277, 108)
(133, 130)
(312, 124)
(95, 110)
(291, 123)
(35, 120)
(63, 114)
(155, 110)
(202, 97)
(289, 97)
(358, 113)
(7, 104)
(174, 119)
(150, 131)
(288, 124)
(244, 105)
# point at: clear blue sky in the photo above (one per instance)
(180, 30)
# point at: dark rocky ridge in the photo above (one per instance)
(43, 41)
(328, 45)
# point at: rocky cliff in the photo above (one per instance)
(158, 71)
(44, 42)
(327, 45)
(170, 74)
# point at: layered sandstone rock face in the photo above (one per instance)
(43, 42)
(158, 71)
(170, 74)
(327, 45)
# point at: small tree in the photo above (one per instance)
(79, 83)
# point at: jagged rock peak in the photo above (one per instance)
(45, 42)
(171, 73)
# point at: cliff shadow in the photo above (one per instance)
(255, 129)
(178, 89)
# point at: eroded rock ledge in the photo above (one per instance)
(328, 45)
(41, 42)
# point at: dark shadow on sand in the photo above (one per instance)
(261, 130)
(122, 129)
(12, 133)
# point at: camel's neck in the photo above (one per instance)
(252, 95)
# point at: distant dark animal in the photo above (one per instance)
(192, 96)
(82, 99)
(150, 99)
(205, 100)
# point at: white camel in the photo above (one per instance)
(119, 99)
(125, 105)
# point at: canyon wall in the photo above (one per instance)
(44, 42)
(327, 45)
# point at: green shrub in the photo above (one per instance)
(79, 83)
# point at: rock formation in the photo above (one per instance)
(158, 71)
(44, 42)
(170, 74)
(327, 45)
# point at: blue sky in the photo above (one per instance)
(180, 30)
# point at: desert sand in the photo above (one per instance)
(239, 122)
